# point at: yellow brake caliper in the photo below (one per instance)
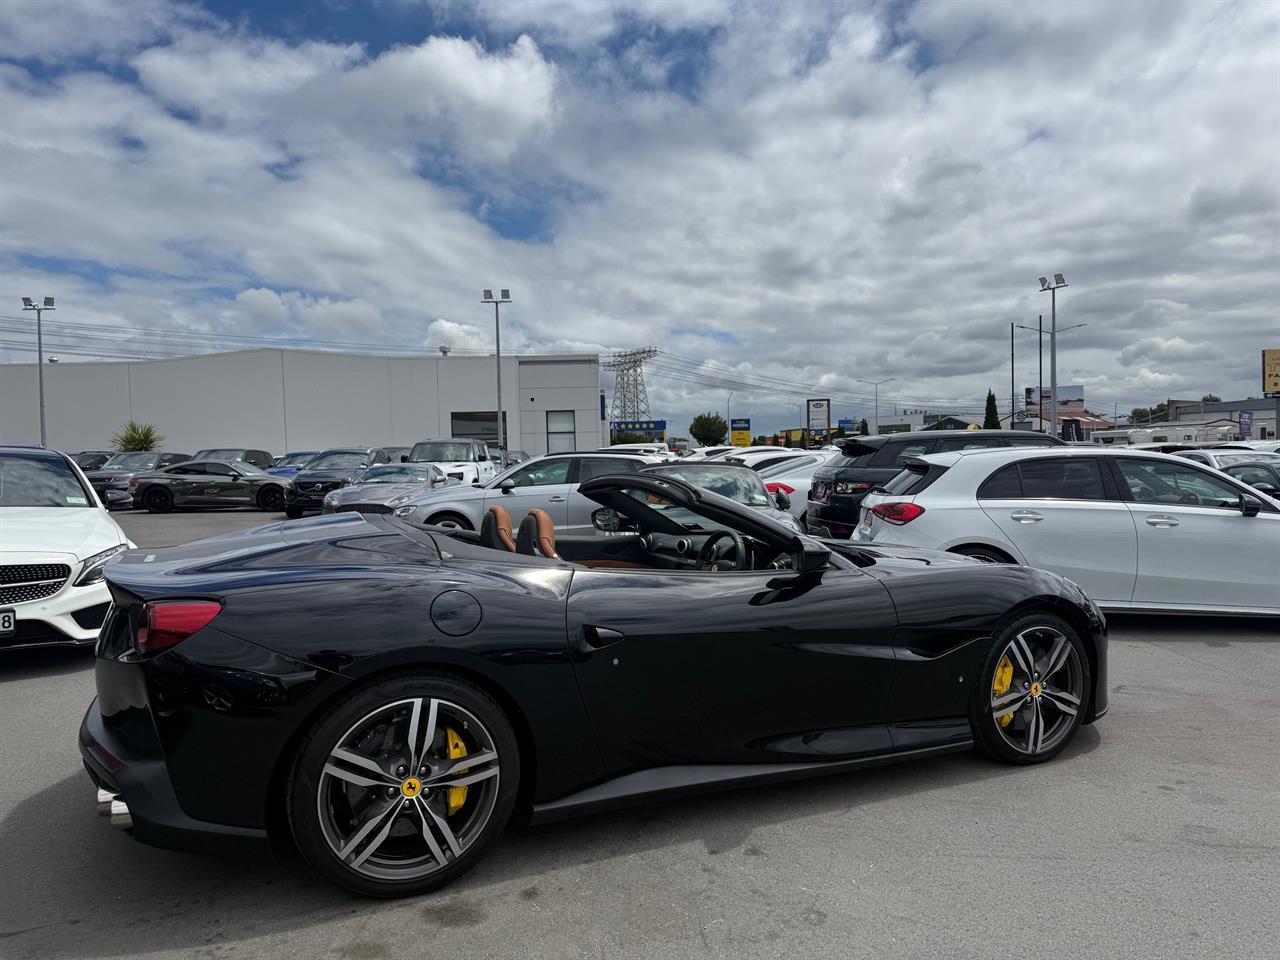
(458, 795)
(1003, 681)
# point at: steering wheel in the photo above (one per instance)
(1190, 498)
(708, 558)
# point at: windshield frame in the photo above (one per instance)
(689, 473)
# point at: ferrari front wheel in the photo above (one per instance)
(1033, 691)
(402, 785)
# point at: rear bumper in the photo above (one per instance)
(835, 521)
(142, 782)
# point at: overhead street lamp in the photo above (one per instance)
(1052, 289)
(876, 384)
(1039, 330)
(504, 296)
(29, 304)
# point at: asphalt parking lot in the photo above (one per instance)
(1154, 835)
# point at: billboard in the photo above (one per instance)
(848, 426)
(740, 431)
(1271, 373)
(1070, 400)
(819, 415)
(650, 429)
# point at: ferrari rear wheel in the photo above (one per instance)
(402, 785)
(158, 500)
(1033, 692)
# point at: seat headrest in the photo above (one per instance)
(495, 530)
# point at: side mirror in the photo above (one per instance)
(1250, 506)
(404, 458)
(782, 500)
(1268, 488)
(506, 486)
(606, 520)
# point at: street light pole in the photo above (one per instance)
(504, 297)
(29, 304)
(876, 384)
(1039, 331)
(1013, 390)
(1052, 288)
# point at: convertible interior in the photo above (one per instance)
(652, 524)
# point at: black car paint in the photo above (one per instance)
(878, 459)
(716, 679)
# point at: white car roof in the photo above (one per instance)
(1010, 454)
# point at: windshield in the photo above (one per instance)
(296, 459)
(1243, 457)
(441, 451)
(736, 483)
(395, 473)
(44, 481)
(132, 461)
(219, 453)
(336, 459)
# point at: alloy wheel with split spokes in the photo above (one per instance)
(271, 499)
(1035, 690)
(411, 788)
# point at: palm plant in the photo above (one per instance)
(136, 436)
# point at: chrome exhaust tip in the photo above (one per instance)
(121, 819)
(105, 798)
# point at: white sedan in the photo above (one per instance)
(56, 539)
(1136, 530)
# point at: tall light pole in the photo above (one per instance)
(29, 304)
(504, 297)
(1039, 331)
(876, 384)
(1052, 288)
(1013, 391)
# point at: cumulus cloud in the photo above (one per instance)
(811, 194)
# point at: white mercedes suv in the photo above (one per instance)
(55, 539)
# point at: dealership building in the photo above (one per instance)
(283, 400)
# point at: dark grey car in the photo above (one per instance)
(117, 472)
(209, 483)
(382, 488)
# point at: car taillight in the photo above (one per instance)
(775, 487)
(852, 486)
(897, 513)
(166, 624)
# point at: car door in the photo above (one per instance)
(224, 485)
(1195, 546)
(1064, 514)
(685, 667)
(580, 508)
(539, 484)
(185, 483)
(484, 459)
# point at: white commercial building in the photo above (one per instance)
(282, 400)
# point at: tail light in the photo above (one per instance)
(166, 624)
(775, 487)
(853, 486)
(897, 513)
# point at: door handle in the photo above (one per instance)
(555, 499)
(1162, 520)
(596, 637)
(1026, 516)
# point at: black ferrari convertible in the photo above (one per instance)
(390, 696)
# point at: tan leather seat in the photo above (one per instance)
(537, 535)
(495, 530)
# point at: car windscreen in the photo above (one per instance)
(736, 483)
(219, 453)
(1226, 459)
(296, 459)
(398, 473)
(441, 451)
(132, 461)
(40, 481)
(338, 459)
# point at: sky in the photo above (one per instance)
(786, 198)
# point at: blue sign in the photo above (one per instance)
(640, 426)
(1246, 424)
(603, 414)
(740, 423)
(846, 425)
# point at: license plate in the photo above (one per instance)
(8, 622)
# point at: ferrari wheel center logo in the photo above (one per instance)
(1035, 689)
(411, 787)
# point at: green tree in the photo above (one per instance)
(864, 429)
(1141, 415)
(133, 437)
(624, 436)
(1211, 398)
(708, 429)
(991, 420)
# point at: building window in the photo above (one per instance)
(477, 425)
(561, 431)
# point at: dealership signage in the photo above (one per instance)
(1271, 373)
(1070, 400)
(653, 429)
(740, 431)
(819, 415)
(847, 425)
(1246, 424)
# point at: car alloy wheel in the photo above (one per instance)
(1037, 691)
(271, 498)
(408, 789)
